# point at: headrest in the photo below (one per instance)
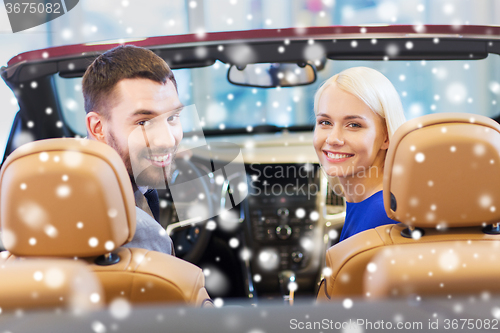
(54, 283)
(65, 198)
(443, 170)
(447, 268)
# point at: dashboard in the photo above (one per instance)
(285, 221)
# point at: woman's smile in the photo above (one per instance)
(336, 157)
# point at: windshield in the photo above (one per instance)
(424, 87)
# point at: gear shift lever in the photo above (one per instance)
(288, 285)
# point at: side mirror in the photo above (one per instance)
(269, 75)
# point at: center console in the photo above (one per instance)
(283, 228)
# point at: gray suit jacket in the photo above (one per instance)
(149, 234)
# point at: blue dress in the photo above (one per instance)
(364, 215)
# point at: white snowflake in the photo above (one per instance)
(300, 213)
(97, 326)
(347, 303)
(93, 242)
(234, 243)
(456, 92)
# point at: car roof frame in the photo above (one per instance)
(183, 51)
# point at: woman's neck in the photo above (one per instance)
(361, 186)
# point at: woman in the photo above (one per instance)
(357, 111)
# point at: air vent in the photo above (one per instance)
(333, 204)
(332, 199)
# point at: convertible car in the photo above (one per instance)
(253, 208)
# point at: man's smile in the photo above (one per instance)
(160, 160)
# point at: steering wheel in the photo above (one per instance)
(191, 239)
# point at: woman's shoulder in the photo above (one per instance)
(367, 214)
(376, 210)
(375, 200)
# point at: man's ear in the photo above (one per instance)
(95, 126)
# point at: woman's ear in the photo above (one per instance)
(385, 144)
(95, 126)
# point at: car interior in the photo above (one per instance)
(279, 240)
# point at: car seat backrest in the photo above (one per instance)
(48, 283)
(65, 198)
(439, 269)
(442, 181)
(73, 198)
(441, 170)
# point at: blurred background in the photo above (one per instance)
(96, 20)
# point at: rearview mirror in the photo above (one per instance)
(268, 75)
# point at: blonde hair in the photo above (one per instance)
(374, 89)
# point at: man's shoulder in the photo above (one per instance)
(149, 234)
(144, 218)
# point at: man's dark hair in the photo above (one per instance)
(122, 62)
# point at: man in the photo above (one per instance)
(132, 105)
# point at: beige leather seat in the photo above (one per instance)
(56, 283)
(73, 198)
(440, 269)
(442, 180)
